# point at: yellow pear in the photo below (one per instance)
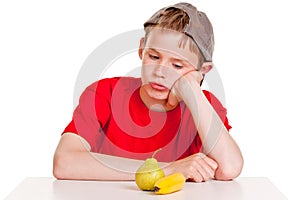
(147, 174)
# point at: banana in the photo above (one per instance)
(169, 184)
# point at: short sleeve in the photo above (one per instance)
(218, 107)
(92, 113)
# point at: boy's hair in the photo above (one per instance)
(185, 18)
(176, 20)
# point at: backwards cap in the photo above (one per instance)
(199, 28)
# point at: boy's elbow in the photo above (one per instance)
(58, 172)
(60, 164)
(229, 171)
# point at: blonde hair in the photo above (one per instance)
(174, 19)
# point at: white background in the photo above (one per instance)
(43, 45)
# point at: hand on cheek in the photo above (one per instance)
(172, 99)
(182, 86)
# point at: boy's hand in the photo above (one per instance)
(197, 167)
(183, 87)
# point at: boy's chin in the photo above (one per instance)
(160, 97)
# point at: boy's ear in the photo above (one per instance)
(206, 67)
(141, 47)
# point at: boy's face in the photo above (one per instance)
(163, 62)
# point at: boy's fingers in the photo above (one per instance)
(172, 99)
(213, 164)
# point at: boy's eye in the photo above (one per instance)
(178, 66)
(154, 57)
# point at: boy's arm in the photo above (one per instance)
(72, 160)
(217, 143)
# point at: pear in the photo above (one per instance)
(148, 173)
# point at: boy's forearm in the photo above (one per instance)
(86, 166)
(128, 165)
(73, 160)
(216, 141)
(94, 166)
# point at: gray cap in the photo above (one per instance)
(199, 28)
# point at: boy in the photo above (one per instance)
(124, 120)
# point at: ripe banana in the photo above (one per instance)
(169, 184)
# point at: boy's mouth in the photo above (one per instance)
(157, 86)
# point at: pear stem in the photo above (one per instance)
(155, 152)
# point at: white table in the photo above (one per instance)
(49, 188)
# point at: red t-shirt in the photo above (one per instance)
(112, 118)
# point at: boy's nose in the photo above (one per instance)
(159, 71)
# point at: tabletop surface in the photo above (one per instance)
(243, 188)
